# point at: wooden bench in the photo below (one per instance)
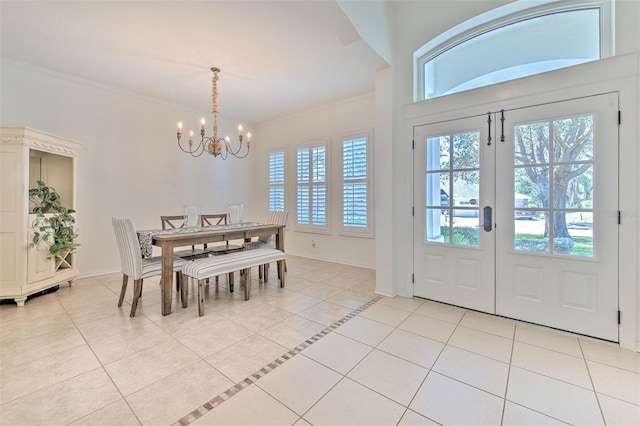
(201, 269)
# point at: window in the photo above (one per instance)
(311, 178)
(511, 42)
(276, 181)
(356, 188)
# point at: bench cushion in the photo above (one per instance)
(213, 266)
(152, 266)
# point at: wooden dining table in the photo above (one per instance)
(167, 241)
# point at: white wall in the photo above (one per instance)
(129, 164)
(384, 183)
(330, 121)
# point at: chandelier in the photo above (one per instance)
(213, 144)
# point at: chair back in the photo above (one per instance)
(213, 219)
(278, 218)
(275, 218)
(172, 222)
(128, 246)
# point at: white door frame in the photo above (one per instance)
(616, 74)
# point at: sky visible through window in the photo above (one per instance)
(520, 49)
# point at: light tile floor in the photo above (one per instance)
(325, 350)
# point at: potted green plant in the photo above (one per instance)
(54, 225)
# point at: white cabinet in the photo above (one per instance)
(26, 156)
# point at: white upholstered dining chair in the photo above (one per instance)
(268, 241)
(133, 264)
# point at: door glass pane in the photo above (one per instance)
(528, 182)
(576, 188)
(531, 143)
(445, 189)
(466, 229)
(437, 226)
(557, 205)
(466, 188)
(574, 236)
(466, 150)
(573, 139)
(437, 189)
(530, 236)
(438, 153)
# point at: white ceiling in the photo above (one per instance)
(276, 57)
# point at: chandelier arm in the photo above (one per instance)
(230, 149)
(237, 152)
(242, 156)
(224, 154)
(194, 152)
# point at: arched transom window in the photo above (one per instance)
(512, 42)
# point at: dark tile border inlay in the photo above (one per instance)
(213, 403)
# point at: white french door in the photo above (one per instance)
(454, 193)
(517, 215)
(558, 255)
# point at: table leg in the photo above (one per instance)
(166, 289)
(282, 266)
(281, 272)
(280, 239)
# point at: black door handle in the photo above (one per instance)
(488, 220)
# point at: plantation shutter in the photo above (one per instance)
(312, 190)
(354, 190)
(276, 181)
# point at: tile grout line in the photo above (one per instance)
(407, 408)
(506, 387)
(246, 382)
(102, 364)
(593, 385)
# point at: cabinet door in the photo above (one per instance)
(38, 266)
(11, 218)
